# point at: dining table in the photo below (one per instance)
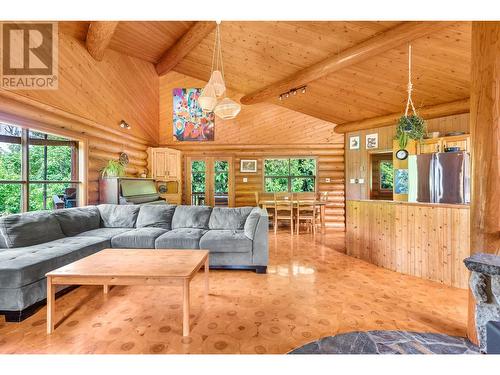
(269, 203)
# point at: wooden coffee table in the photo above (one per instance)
(130, 267)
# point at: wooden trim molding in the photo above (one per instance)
(441, 110)
(183, 46)
(376, 45)
(99, 36)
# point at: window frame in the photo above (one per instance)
(25, 180)
(380, 175)
(290, 177)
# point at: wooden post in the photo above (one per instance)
(485, 136)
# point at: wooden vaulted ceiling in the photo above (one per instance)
(258, 54)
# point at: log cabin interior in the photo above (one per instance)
(333, 182)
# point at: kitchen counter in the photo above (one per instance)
(443, 205)
(427, 240)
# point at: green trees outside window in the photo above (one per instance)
(50, 160)
(289, 175)
(386, 175)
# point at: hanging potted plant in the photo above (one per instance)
(113, 169)
(410, 126)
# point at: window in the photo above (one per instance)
(198, 182)
(221, 181)
(38, 171)
(386, 175)
(289, 175)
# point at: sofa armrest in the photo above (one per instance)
(260, 239)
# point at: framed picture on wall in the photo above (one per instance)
(248, 166)
(371, 141)
(354, 142)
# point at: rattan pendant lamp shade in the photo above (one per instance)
(216, 87)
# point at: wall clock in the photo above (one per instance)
(401, 154)
(162, 189)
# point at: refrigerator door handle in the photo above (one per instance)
(432, 179)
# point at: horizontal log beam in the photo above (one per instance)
(392, 38)
(183, 46)
(440, 110)
(99, 36)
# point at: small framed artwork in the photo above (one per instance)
(248, 166)
(354, 142)
(401, 181)
(371, 141)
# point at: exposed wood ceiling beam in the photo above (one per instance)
(184, 45)
(440, 110)
(99, 36)
(376, 45)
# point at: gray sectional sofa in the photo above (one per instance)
(34, 243)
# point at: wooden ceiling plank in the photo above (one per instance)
(382, 42)
(440, 110)
(99, 36)
(186, 43)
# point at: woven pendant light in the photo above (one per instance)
(207, 99)
(227, 109)
(218, 83)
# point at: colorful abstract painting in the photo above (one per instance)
(190, 122)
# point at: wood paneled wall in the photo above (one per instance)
(357, 161)
(427, 241)
(261, 131)
(91, 100)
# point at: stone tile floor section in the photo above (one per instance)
(389, 342)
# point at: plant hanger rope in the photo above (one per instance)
(409, 101)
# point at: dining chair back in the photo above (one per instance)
(283, 209)
(306, 210)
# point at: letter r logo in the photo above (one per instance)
(27, 49)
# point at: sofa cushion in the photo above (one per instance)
(228, 218)
(252, 221)
(25, 265)
(182, 238)
(106, 233)
(140, 238)
(77, 220)
(191, 217)
(118, 216)
(156, 216)
(226, 241)
(30, 228)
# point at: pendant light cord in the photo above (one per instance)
(217, 54)
(409, 101)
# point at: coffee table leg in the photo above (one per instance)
(106, 288)
(51, 300)
(206, 277)
(185, 309)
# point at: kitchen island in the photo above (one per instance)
(427, 240)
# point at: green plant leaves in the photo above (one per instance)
(410, 127)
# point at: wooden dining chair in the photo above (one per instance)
(323, 198)
(270, 210)
(283, 209)
(306, 210)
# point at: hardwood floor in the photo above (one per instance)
(311, 290)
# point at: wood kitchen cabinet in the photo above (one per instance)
(166, 169)
(165, 164)
(431, 145)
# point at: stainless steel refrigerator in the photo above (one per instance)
(443, 177)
